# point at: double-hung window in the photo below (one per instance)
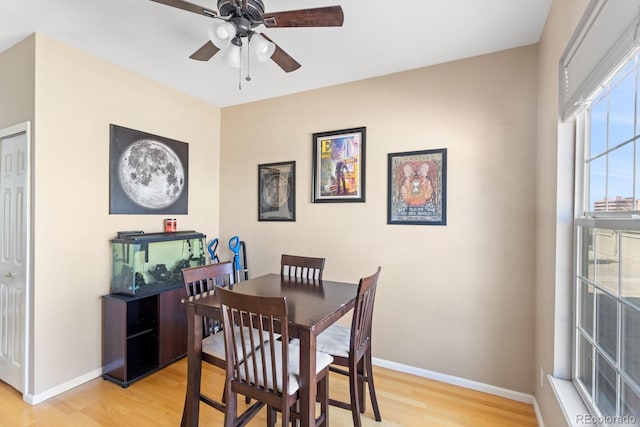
(607, 229)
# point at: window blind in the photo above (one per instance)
(606, 35)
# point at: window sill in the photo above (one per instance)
(574, 410)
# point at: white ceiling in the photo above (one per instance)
(378, 37)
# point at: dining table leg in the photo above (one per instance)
(190, 413)
(308, 389)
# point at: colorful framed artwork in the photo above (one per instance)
(148, 174)
(338, 166)
(417, 192)
(277, 191)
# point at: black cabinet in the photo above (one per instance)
(142, 334)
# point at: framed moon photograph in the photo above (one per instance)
(148, 174)
(277, 191)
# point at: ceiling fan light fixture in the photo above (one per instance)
(232, 55)
(262, 47)
(221, 33)
(238, 19)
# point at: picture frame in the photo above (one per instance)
(277, 191)
(148, 174)
(417, 187)
(339, 166)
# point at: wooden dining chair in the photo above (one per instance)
(270, 373)
(200, 281)
(301, 266)
(351, 349)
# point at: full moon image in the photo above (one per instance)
(151, 174)
(276, 191)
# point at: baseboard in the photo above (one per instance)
(536, 409)
(34, 399)
(462, 382)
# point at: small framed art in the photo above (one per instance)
(338, 166)
(417, 187)
(277, 191)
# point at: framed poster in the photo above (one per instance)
(338, 166)
(277, 191)
(417, 190)
(148, 174)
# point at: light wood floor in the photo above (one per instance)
(157, 400)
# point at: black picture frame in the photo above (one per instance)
(417, 187)
(148, 174)
(339, 166)
(277, 191)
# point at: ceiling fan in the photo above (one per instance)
(237, 20)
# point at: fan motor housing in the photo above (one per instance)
(253, 12)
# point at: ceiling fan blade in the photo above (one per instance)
(282, 58)
(331, 16)
(205, 53)
(189, 7)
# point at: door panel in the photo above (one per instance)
(13, 254)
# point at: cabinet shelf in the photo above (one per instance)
(137, 334)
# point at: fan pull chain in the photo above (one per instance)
(248, 78)
(240, 70)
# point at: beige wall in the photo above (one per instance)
(455, 299)
(554, 215)
(77, 97)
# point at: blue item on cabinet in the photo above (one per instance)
(236, 245)
(212, 247)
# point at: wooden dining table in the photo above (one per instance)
(313, 306)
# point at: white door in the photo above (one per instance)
(14, 180)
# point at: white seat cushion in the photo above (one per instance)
(214, 343)
(322, 361)
(334, 341)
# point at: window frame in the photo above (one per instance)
(584, 218)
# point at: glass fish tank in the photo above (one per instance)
(151, 262)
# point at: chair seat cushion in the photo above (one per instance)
(334, 340)
(213, 345)
(322, 361)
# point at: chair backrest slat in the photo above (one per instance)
(235, 342)
(302, 267)
(274, 371)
